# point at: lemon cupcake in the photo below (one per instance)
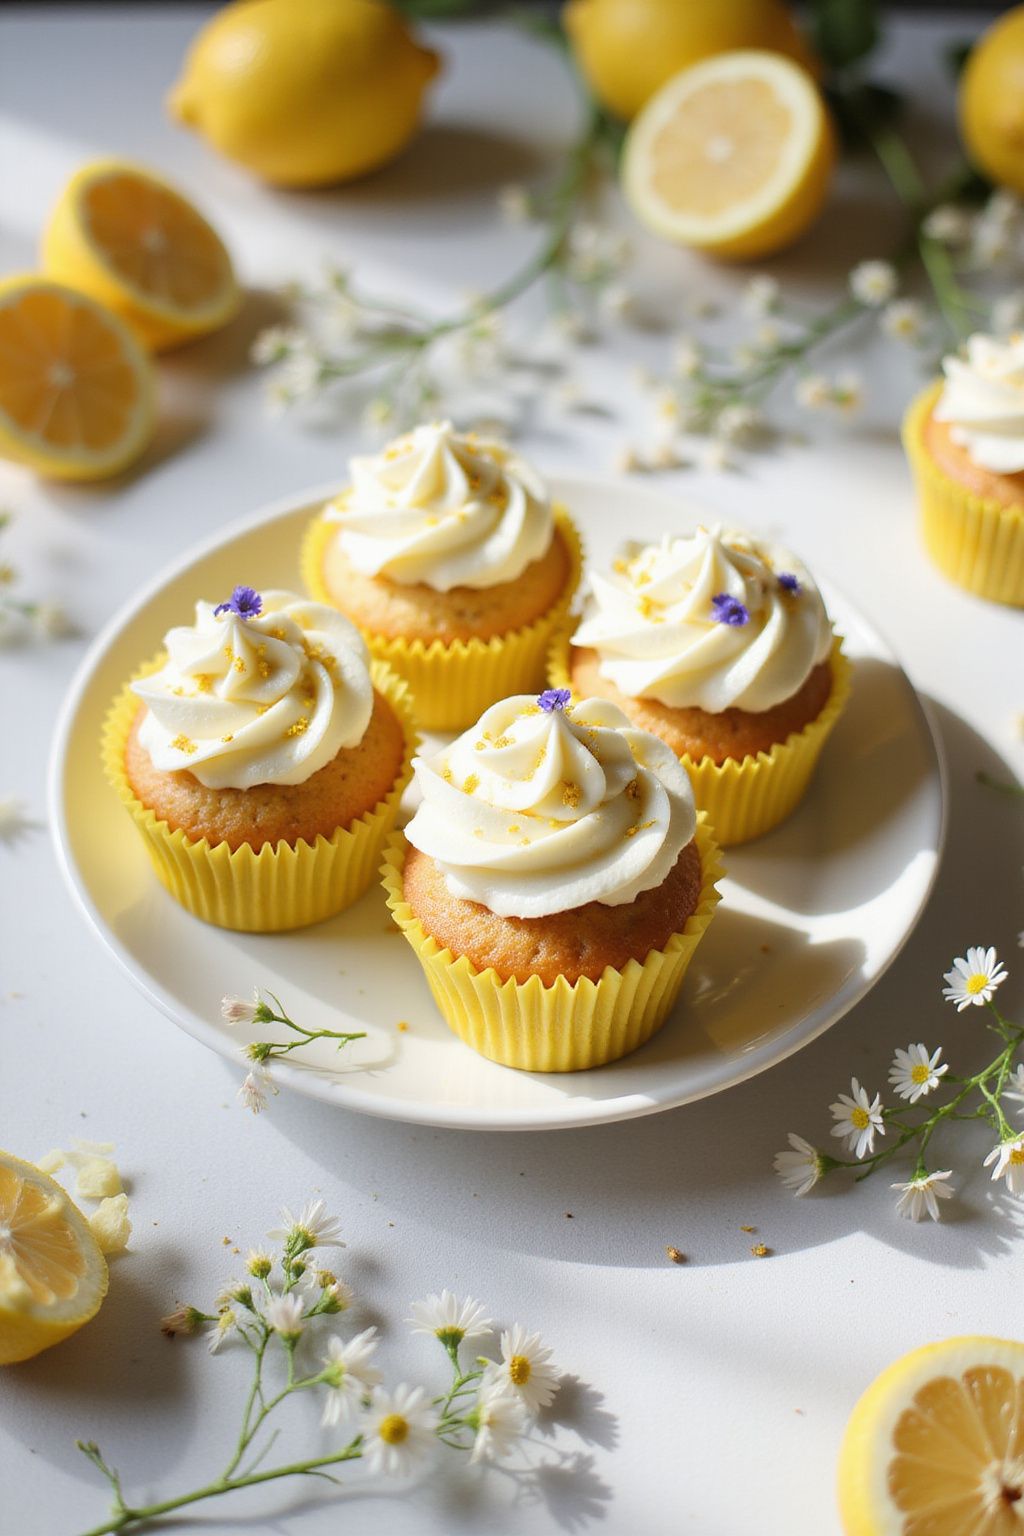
(964, 436)
(262, 761)
(554, 882)
(447, 553)
(724, 649)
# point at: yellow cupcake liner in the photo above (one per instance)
(975, 541)
(567, 1027)
(746, 797)
(281, 885)
(453, 683)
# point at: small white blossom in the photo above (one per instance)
(571, 326)
(236, 1010)
(1014, 1088)
(348, 1374)
(399, 1430)
(922, 1194)
(500, 1422)
(948, 225)
(687, 357)
(914, 1073)
(813, 392)
(761, 295)
(1003, 207)
(221, 1329)
(257, 1086)
(616, 301)
(801, 1167)
(450, 1319)
(1008, 1157)
(13, 820)
(767, 336)
(1008, 313)
(313, 1228)
(51, 621)
(379, 412)
(745, 355)
(300, 374)
(738, 423)
(666, 405)
(858, 1119)
(284, 1315)
(665, 455)
(973, 980)
(848, 392)
(992, 244)
(515, 204)
(627, 461)
(526, 1368)
(714, 458)
(873, 283)
(276, 343)
(903, 320)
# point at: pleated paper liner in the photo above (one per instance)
(746, 797)
(453, 683)
(281, 885)
(567, 1027)
(976, 542)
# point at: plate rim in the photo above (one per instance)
(312, 1082)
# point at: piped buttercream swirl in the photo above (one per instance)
(983, 402)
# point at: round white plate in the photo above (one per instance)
(811, 915)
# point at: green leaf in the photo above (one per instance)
(844, 31)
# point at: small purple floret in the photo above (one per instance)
(245, 601)
(789, 583)
(726, 609)
(554, 698)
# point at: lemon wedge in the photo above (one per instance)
(732, 156)
(136, 244)
(76, 389)
(52, 1274)
(935, 1447)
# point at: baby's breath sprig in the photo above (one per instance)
(19, 615)
(276, 1308)
(915, 1075)
(259, 1084)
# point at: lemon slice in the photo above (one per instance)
(137, 245)
(935, 1447)
(52, 1274)
(732, 156)
(76, 389)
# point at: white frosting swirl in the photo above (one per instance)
(652, 622)
(266, 700)
(983, 401)
(443, 509)
(536, 811)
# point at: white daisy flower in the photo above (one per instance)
(221, 1329)
(767, 336)
(236, 1010)
(858, 1119)
(813, 392)
(903, 320)
(256, 1088)
(686, 357)
(1014, 1088)
(378, 413)
(948, 225)
(313, 1228)
(848, 392)
(399, 1430)
(1008, 313)
(801, 1168)
(259, 1263)
(873, 283)
(974, 979)
(348, 1374)
(337, 1294)
(616, 301)
(500, 1422)
(914, 1073)
(922, 1194)
(627, 461)
(276, 343)
(1008, 1157)
(450, 1319)
(284, 1315)
(525, 1366)
(515, 204)
(300, 374)
(760, 295)
(738, 423)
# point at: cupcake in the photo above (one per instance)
(723, 649)
(554, 882)
(447, 553)
(262, 760)
(964, 437)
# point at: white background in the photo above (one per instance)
(716, 1392)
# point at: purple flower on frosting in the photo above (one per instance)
(554, 698)
(245, 601)
(726, 609)
(789, 583)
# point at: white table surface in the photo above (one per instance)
(716, 1392)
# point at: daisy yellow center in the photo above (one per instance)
(860, 1118)
(393, 1429)
(921, 1073)
(976, 983)
(1017, 1156)
(519, 1367)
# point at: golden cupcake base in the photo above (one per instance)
(977, 542)
(453, 682)
(281, 885)
(565, 1027)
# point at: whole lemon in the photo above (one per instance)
(992, 101)
(627, 49)
(305, 92)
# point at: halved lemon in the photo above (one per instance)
(76, 389)
(935, 1447)
(53, 1277)
(136, 244)
(732, 156)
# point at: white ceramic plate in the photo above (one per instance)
(811, 917)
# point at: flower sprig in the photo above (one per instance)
(19, 615)
(259, 1083)
(916, 1075)
(276, 1310)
